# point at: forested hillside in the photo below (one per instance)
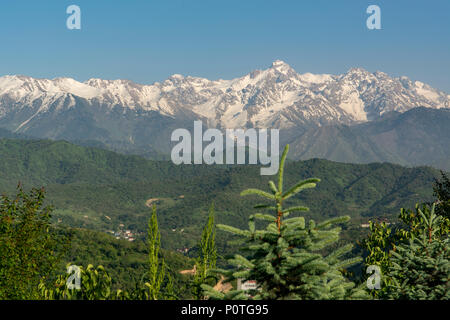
(102, 190)
(125, 261)
(101, 207)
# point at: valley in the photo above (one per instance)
(101, 190)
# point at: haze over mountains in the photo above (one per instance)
(357, 116)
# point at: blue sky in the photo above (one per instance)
(147, 41)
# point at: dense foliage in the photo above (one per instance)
(290, 257)
(413, 255)
(125, 261)
(441, 190)
(95, 189)
(284, 258)
(207, 258)
(420, 269)
(28, 247)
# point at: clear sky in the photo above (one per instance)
(147, 41)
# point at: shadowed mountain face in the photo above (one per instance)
(354, 117)
(417, 137)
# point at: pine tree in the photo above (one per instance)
(420, 269)
(384, 241)
(285, 258)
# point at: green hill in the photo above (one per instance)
(105, 191)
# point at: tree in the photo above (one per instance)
(420, 269)
(441, 190)
(378, 245)
(95, 284)
(157, 267)
(207, 256)
(385, 242)
(285, 258)
(29, 246)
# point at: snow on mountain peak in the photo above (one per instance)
(278, 63)
(282, 67)
(315, 78)
(176, 76)
(275, 97)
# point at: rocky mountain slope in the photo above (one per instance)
(135, 118)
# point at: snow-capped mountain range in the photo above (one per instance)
(354, 117)
(277, 97)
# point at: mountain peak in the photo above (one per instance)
(277, 96)
(282, 67)
(176, 77)
(357, 70)
(278, 63)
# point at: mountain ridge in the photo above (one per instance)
(85, 184)
(277, 97)
(310, 110)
